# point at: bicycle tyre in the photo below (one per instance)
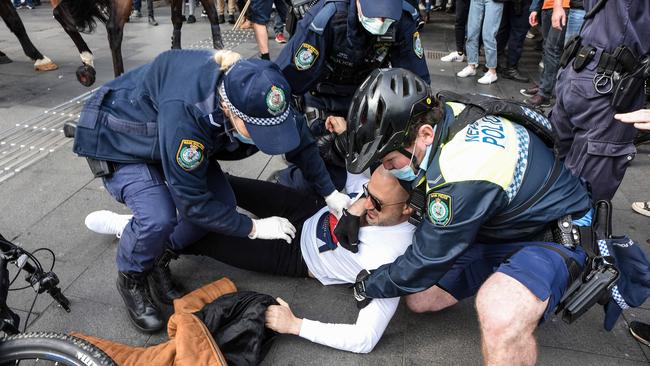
(62, 348)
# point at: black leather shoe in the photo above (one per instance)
(142, 311)
(513, 74)
(191, 19)
(641, 332)
(231, 19)
(221, 19)
(160, 280)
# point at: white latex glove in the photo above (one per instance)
(273, 227)
(336, 202)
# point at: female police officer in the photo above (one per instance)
(157, 132)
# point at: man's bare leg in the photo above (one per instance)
(262, 38)
(432, 299)
(508, 314)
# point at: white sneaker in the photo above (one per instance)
(530, 35)
(469, 70)
(488, 78)
(541, 64)
(453, 57)
(107, 222)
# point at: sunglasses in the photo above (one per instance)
(376, 203)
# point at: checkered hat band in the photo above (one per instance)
(248, 119)
(616, 295)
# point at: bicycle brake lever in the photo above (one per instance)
(58, 296)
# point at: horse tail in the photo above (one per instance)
(85, 13)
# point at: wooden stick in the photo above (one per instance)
(242, 15)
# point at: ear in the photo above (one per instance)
(426, 134)
(407, 210)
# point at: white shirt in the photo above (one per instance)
(377, 245)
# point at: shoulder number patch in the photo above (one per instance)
(439, 208)
(417, 45)
(190, 154)
(305, 57)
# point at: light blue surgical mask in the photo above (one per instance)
(376, 26)
(406, 173)
(242, 138)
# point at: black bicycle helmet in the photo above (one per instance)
(382, 110)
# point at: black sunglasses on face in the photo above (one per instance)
(376, 203)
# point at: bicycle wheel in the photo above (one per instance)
(51, 348)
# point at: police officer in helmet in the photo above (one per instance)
(158, 131)
(487, 189)
(336, 46)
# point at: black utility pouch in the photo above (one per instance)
(570, 50)
(583, 57)
(630, 86)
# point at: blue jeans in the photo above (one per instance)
(573, 24)
(553, 46)
(488, 14)
(154, 226)
(27, 2)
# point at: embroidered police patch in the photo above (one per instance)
(417, 45)
(305, 56)
(439, 208)
(275, 100)
(190, 154)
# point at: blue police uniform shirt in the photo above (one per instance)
(488, 168)
(167, 112)
(330, 42)
(620, 22)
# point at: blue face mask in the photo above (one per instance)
(406, 173)
(242, 138)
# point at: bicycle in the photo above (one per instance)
(48, 347)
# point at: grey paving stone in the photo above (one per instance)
(561, 357)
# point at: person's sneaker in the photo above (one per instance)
(136, 14)
(144, 314)
(530, 35)
(231, 19)
(107, 222)
(529, 92)
(539, 101)
(453, 57)
(204, 14)
(438, 8)
(280, 38)
(469, 70)
(488, 78)
(30, 7)
(641, 332)
(513, 74)
(642, 207)
(191, 19)
(541, 64)
(152, 21)
(221, 19)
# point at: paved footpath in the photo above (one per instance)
(45, 200)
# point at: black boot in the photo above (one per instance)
(191, 19)
(160, 280)
(231, 19)
(513, 74)
(221, 19)
(142, 311)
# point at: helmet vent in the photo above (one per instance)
(405, 87)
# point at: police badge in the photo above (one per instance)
(275, 100)
(417, 45)
(305, 57)
(439, 208)
(190, 154)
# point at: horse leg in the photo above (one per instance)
(85, 72)
(4, 59)
(208, 6)
(119, 14)
(177, 22)
(15, 25)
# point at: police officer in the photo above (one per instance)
(159, 129)
(615, 34)
(489, 189)
(336, 46)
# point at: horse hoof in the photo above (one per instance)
(4, 59)
(46, 65)
(86, 75)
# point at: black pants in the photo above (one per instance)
(263, 199)
(460, 25)
(512, 32)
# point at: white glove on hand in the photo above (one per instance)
(336, 202)
(273, 227)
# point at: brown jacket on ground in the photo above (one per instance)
(190, 343)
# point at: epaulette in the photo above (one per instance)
(323, 16)
(407, 7)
